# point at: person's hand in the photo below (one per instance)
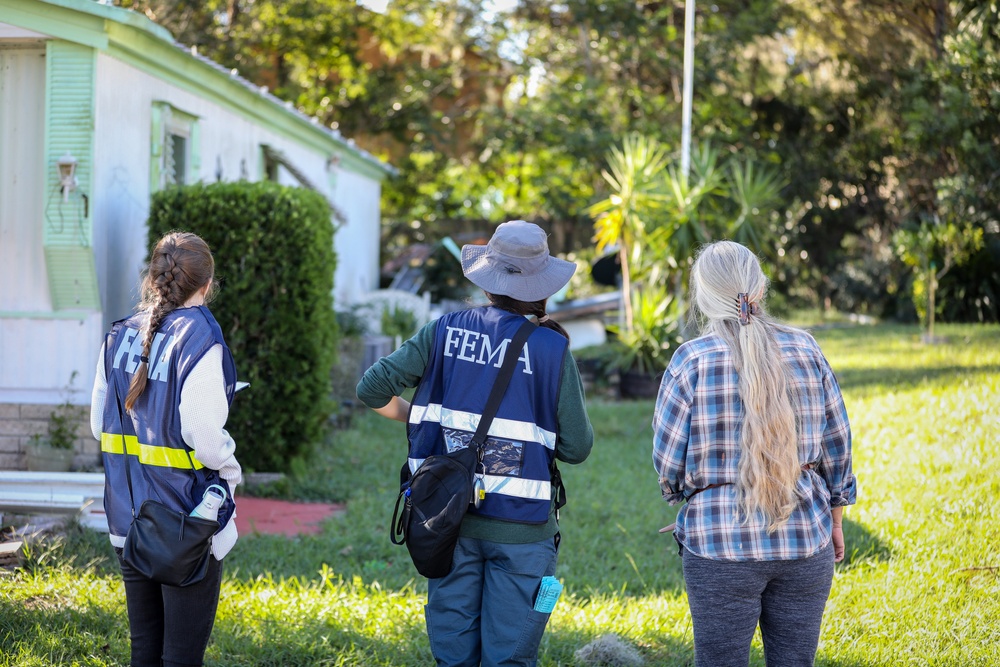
(838, 542)
(668, 529)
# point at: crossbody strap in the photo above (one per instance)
(500, 385)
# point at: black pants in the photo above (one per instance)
(170, 626)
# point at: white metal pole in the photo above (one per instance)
(688, 87)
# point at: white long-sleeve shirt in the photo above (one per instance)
(203, 412)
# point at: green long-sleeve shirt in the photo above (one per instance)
(402, 369)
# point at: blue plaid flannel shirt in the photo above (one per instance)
(696, 444)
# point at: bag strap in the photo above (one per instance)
(401, 513)
(500, 385)
(121, 421)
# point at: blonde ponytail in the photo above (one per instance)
(769, 466)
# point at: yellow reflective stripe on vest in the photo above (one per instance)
(150, 455)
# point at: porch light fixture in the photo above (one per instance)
(67, 174)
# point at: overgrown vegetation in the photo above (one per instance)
(274, 262)
(877, 114)
(920, 584)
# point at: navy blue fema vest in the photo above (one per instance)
(469, 347)
(162, 467)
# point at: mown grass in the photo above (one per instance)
(920, 586)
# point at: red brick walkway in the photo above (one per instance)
(281, 517)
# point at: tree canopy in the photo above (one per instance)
(877, 116)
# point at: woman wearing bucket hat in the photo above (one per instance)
(483, 611)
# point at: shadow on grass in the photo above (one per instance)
(46, 632)
(861, 546)
(902, 378)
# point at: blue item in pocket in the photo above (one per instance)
(548, 595)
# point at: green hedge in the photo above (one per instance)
(274, 262)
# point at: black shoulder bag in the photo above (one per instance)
(436, 497)
(163, 544)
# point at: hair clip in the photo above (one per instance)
(745, 308)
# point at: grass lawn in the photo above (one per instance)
(920, 585)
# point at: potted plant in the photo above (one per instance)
(53, 451)
(644, 350)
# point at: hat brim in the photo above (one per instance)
(486, 275)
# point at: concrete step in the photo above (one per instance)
(55, 493)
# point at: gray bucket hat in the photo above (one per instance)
(516, 263)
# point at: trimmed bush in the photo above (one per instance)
(274, 262)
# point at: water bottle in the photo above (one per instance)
(208, 508)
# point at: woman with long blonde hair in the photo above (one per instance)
(751, 432)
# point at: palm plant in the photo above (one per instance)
(658, 216)
(646, 346)
(634, 174)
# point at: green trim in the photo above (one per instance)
(72, 278)
(36, 315)
(194, 153)
(163, 115)
(70, 72)
(58, 20)
(156, 148)
(173, 65)
(95, 12)
(70, 81)
(134, 39)
(357, 164)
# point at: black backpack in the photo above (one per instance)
(437, 495)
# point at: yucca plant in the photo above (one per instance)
(659, 216)
(646, 346)
(635, 176)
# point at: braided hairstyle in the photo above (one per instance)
(536, 308)
(180, 265)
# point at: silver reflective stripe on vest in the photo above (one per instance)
(511, 429)
(516, 487)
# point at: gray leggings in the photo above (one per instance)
(728, 599)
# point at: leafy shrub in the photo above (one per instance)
(647, 346)
(274, 262)
(398, 322)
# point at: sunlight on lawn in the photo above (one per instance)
(920, 585)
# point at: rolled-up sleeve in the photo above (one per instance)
(671, 430)
(835, 465)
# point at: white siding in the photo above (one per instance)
(230, 149)
(39, 356)
(358, 240)
(23, 282)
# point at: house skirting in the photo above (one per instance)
(20, 421)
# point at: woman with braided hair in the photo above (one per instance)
(750, 431)
(164, 384)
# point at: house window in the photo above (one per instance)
(174, 147)
(175, 164)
